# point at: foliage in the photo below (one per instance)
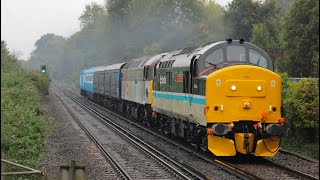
(155, 48)
(93, 14)
(302, 104)
(23, 126)
(300, 39)
(8, 61)
(127, 29)
(285, 84)
(49, 50)
(262, 38)
(242, 14)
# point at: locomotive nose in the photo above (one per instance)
(244, 91)
(241, 95)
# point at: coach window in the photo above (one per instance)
(88, 78)
(214, 58)
(236, 53)
(257, 59)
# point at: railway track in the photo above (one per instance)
(225, 165)
(292, 171)
(299, 156)
(176, 169)
(254, 164)
(108, 156)
(228, 167)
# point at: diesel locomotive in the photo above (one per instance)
(223, 96)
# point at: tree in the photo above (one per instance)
(48, 50)
(8, 60)
(242, 14)
(300, 39)
(302, 104)
(93, 14)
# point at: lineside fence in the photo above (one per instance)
(26, 171)
(68, 171)
(298, 79)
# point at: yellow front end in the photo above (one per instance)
(242, 96)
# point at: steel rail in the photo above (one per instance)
(100, 146)
(298, 155)
(220, 163)
(299, 173)
(135, 140)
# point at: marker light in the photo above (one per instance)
(259, 88)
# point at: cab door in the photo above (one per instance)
(193, 67)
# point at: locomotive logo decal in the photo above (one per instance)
(218, 82)
(179, 78)
(273, 83)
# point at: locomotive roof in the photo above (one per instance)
(86, 71)
(182, 57)
(154, 59)
(183, 60)
(207, 47)
(99, 68)
(136, 63)
(115, 66)
(170, 56)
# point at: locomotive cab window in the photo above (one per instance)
(214, 58)
(236, 53)
(88, 78)
(257, 59)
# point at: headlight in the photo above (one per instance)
(233, 87)
(259, 88)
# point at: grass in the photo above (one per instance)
(23, 123)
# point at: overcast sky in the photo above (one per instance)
(23, 22)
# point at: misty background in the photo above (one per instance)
(119, 30)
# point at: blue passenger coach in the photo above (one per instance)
(86, 82)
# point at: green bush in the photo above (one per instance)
(23, 127)
(40, 80)
(285, 84)
(301, 104)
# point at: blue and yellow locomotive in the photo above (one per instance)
(223, 97)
